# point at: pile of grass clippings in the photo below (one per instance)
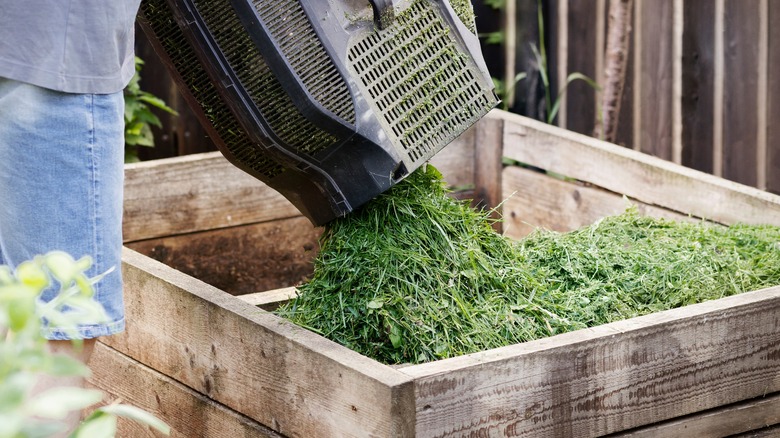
(416, 275)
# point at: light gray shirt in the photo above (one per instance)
(76, 46)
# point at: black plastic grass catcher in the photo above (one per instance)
(328, 102)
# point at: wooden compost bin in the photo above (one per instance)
(213, 363)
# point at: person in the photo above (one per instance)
(63, 68)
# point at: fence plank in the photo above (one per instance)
(580, 97)
(698, 83)
(773, 101)
(740, 82)
(655, 135)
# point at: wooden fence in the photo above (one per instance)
(700, 87)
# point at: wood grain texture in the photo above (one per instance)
(270, 297)
(291, 380)
(535, 200)
(581, 97)
(639, 176)
(590, 382)
(456, 160)
(656, 93)
(740, 128)
(750, 415)
(193, 193)
(204, 191)
(698, 84)
(609, 378)
(488, 164)
(773, 100)
(242, 259)
(188, 413)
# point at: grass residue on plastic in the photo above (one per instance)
(416, 275)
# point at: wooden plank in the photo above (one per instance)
(636, 107)
(280, 375)
(740, 127)
(188, 413)
(204, 191)
(488, 163)
(767, 432)
(698, 86)
(773, 100)
(581, 97)
(529, 92)
(270, 298)
(729, 420)
(243, 259)
(609, 378)
(655, 95)
(194, 193)
(535, 200)
(456, 160)
(558, 29)
(638, 176)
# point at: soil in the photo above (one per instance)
(244, 259)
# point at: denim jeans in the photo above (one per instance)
(61, 182)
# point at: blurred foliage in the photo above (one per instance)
(139, 117)
(24, 356)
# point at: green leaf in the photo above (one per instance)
(13, 389)
(62, 365)
(96, 426)
(58, 402)
(10, 425)
(569, 79)
(156, 102)
(375, 304)
(395, 336)
(20, 313)
(137, 415)
(62, 266)
(31, 274)
(6, 275)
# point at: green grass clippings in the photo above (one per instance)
(417, 275)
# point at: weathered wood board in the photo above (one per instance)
(692, 368)
(188, 413)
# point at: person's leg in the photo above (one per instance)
(61, 178)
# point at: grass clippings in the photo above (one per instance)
(417, 275)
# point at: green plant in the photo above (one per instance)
(416, 275)
(552, 105)
(24, 355)
(139, 117)
(552, 101)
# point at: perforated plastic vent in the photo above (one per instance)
(265, 89)
(421, 84)
(159, 17)
(295, 37)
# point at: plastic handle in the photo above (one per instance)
(384, 12)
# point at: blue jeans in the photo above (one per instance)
(61, 182)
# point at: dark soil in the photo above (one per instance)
(244, 259)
